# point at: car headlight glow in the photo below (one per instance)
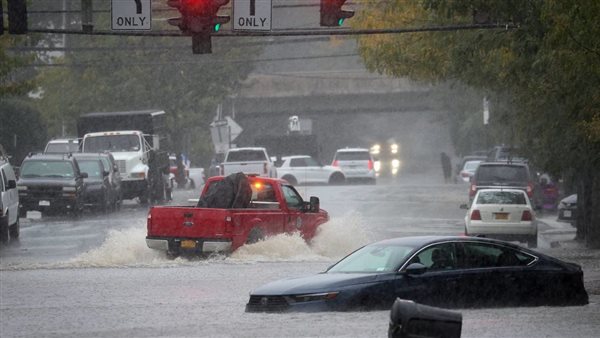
(375, 149)
(377, 166)
(395, 163)
(394, 148)
(315, 296)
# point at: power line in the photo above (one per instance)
(289, 32)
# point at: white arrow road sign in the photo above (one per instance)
(252, 15)
(131, 15)
(235, 128)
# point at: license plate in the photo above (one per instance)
(567, 213)
(503, 216)
(44, 203)
(187, 244)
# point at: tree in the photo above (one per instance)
(544, 75)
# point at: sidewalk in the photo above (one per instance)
(562, 244)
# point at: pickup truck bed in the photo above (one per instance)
(194, 230)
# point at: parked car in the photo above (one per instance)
(467, 171)
(99, 193)
(442, 271)
(304, 169)
(567, 209)
(9, 201)
(508, 175)
(504, 214)
(51, 182)
(62, 146)
(356, 164)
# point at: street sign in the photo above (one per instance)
(131, 15)
(252, 15)
(234, 128)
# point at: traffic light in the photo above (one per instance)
(17, 17)
(332, 14)
(199, 19)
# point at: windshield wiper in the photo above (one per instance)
(55, 175)
(31, 175)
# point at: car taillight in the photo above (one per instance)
(335, 164)
(370, 165)
(526, 216)
(530, 190)
(472, 189)
(149, 222)
(265, 168)
(475, 215)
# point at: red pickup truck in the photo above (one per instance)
(274, 208)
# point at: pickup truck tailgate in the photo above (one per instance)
(186, 222)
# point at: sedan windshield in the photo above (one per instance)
(373, 259)
(60, 169)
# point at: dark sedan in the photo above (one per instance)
(434, 270)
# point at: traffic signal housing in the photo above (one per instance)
(332, 14)
(199, 19)
(17, 17)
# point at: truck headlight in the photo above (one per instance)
(21, 187)
(138, 175)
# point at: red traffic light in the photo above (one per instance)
(199, 19)
(332, 14)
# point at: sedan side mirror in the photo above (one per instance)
(12, 184)
(315, 204)
(464, 206)
(84, 175)
(105, 173)
(416, 269)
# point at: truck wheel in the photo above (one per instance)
(14, 230)
(290, 179)
(337, 178)
(255, 236)
(4, 229)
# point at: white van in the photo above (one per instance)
(9, 201)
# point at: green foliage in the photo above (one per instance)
(542, 77)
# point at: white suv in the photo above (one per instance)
(9, 201)
(355, 163)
